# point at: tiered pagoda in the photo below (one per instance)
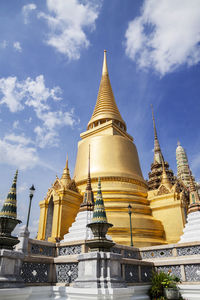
(157, 166)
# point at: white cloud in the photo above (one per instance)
(48, 134)
(26, 10)
(17, 46)
(13, 138)
(11, 95)
(68, 21)
(32, 92)
(17, 95)
(17, 154)
(37, 93)
(166, 35)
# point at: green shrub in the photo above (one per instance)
(159, 281)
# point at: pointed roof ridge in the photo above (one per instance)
(106, 107)
(9, 209)
(99, 213)
(158, 156)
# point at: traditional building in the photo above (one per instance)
(59, 208)
(156, 167)
(168, 197)
(114, 158)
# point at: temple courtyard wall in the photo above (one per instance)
(49, 271)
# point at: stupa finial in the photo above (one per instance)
(9, 209)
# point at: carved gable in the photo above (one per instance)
(162, 190)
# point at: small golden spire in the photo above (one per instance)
(66, 179)
(165, 179)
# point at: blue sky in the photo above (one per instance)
(51, 56)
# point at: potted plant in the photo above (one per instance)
(164, 286)
(157, 290)
(171, 290)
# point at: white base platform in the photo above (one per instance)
(188, 291)
(191, 232)
(70, 293)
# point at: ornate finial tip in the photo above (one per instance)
(105, 50)
(178, 143)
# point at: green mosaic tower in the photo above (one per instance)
(99, 214)
(9, 209)
(8, 218)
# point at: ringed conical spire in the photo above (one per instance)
(99, 214)
(106, 108)
(158, 157)
(9, 209)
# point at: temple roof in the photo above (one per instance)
(106, 107)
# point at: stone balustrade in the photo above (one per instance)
(48, 263)
(182, 260)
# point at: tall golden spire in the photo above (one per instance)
(158, 157)
(66, 179)
(106, 108)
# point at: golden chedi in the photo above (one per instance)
(114, 158)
